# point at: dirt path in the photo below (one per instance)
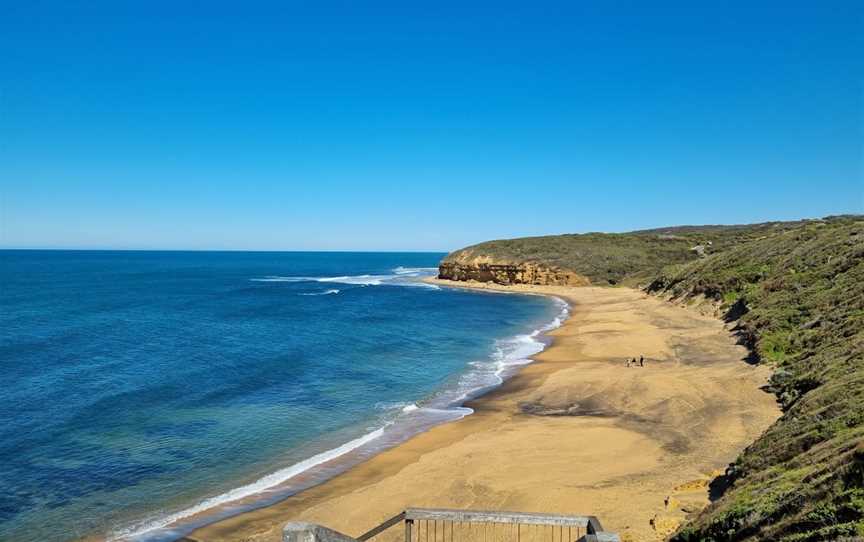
(576, 432)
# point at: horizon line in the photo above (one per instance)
(339, 251)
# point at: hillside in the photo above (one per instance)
(794, 292)
(797, 299)
(597, 258)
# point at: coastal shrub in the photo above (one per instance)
(775, 346)
(635, 257)
(803, 479)
(730, 297)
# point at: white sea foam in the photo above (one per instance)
(415, 270)
(362, 280)
(259, 486)
(407, 418)
(508, 356)
(397, 407)
(331, 291)
(416, 284)
(402, 276)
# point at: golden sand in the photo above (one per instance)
(576, 432)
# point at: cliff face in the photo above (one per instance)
(508, 273)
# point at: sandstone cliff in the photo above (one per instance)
(487, 270)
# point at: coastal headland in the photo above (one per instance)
(576, 432)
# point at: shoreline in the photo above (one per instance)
(636, 444)
(446, 406)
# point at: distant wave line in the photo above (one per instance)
(403, 276)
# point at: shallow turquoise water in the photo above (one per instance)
(141, 386)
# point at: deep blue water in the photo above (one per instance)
(135, 385)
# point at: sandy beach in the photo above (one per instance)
(576, 432)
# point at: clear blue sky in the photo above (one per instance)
(420, 125)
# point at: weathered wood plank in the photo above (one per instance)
(482, 516)
(383, 527)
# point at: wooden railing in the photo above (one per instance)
(442, 525)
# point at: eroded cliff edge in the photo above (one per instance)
(484, 269)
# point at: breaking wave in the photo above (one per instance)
(264, 483)
(402, 276)
(331, 291)
(398, 423)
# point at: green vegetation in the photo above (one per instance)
(794, 292)
(797, 299)
(614, 258)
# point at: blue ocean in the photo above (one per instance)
(146, 393)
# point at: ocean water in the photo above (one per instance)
(145, 393)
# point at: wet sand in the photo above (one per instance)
(576, 432)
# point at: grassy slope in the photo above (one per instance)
(803, 293)
(612, 258)
(795, 291)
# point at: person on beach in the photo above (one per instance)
(641, 361)
(627, 364)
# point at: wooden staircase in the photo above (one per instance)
(444, 525)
